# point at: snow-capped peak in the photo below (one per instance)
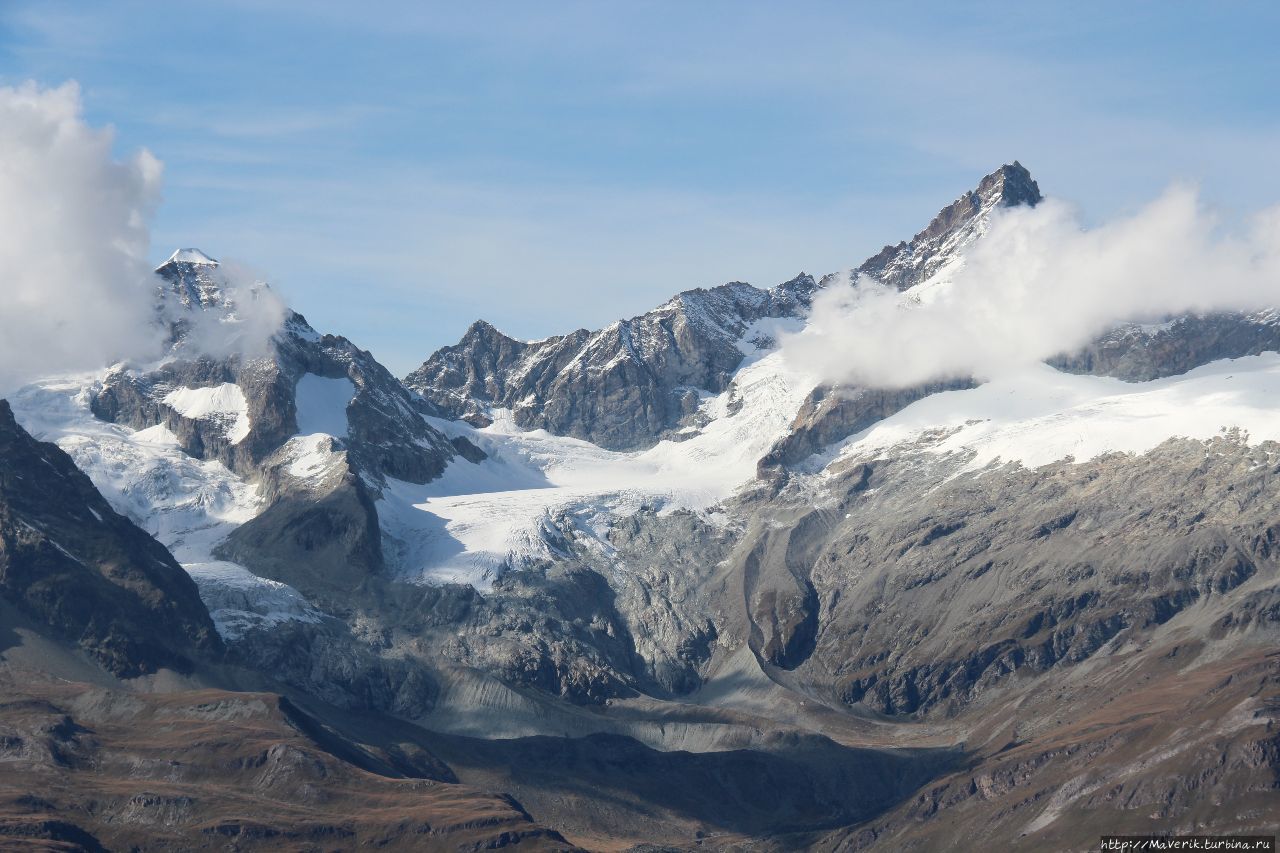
(195, 278)
(188, 256)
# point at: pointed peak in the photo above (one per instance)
(957, 225)
(1013, 183)
(481, 329)
(189, 256)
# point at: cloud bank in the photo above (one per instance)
(1038, 284)
(76, 290)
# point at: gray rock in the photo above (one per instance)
(388, 435)
(833, 413)
(1140, 353)
(623, 387)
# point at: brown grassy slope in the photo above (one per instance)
(89, 768)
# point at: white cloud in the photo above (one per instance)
(1038, 284)
(77, 289)
(244, 325)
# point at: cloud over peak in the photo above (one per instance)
(1038, 284)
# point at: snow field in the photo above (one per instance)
(1038, 415)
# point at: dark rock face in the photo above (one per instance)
(327, 661)
(558, 631)
(69, 561)
(1140, 353)
(325, 542)
(622, 387)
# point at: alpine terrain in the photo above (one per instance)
(649, 587)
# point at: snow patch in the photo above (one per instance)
(189, 256)
(311, 456)
(225, 403)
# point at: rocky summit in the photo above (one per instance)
(656, 586)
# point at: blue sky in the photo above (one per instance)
(400, 169)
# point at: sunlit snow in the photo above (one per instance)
(190, 256)
(1038, 415)
(477, 520)
(223, 402)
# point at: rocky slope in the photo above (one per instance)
(1148, 745)
(1140, 353)
(72, 562)
(915, 261)
(96, 768)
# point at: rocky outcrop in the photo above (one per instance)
(833, 413)
(622, 387)
(322, 539)
(1140, 353)
(385, 428)
(71, 563)
(664, 576)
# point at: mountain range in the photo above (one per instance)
(656, 586)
